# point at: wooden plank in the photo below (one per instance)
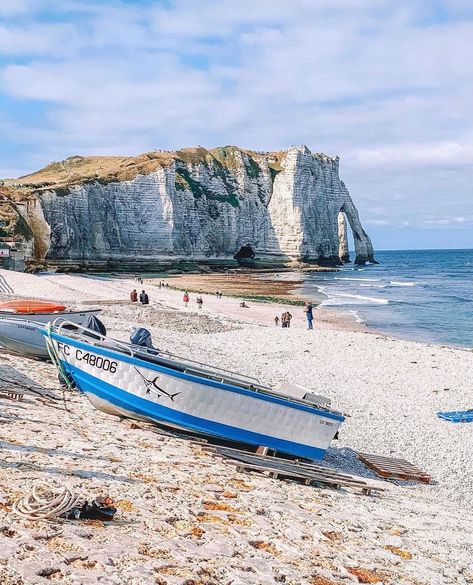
(274, 461)
(317, 478)
(277, 473)
(277, 467)
(11, 395)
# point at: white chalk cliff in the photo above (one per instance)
(195, 204)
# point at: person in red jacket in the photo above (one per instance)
(186, 299)
(134, 296)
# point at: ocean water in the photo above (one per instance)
(424, 295)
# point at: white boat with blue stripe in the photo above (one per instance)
(141, 382)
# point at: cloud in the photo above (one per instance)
(37, 40)
(444, 154)
(387, 86)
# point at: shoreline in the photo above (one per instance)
(250, 285)
(242, 284)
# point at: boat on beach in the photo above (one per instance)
(21, 321)
(137, 381)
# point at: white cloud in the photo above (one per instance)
(387, 86)
(37, 40)
(438, 154)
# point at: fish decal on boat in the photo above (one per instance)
(151, 386)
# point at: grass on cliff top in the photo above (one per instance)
(81, 169)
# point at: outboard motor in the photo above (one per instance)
(141, 337)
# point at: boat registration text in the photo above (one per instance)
(93, 360)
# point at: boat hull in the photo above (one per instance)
(79, 317)
(21, 333)
(125, 385)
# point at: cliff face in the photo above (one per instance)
(194, 204)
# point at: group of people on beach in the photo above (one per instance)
(144, 298)
(286, 317)
(285, 320)
(139, 280)
(199, 300)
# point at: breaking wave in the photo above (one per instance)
(374, 285)
(399, 283)
(358, 279)
(341, 299)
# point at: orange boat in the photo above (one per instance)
(21, 322)
(30, 306)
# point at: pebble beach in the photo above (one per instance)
(187, 517)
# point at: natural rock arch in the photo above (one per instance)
(364, 251)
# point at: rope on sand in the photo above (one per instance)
(46, 502)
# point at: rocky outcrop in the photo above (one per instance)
(195, 204)
(343, 250)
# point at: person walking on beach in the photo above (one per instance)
(308, 310)
(200, 302)
(144, 299)
(134, 296)
(276, 320)
(284, 320)
(185, 298)
(288, 319)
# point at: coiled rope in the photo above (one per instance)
(46, 502)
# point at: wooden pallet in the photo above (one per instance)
(392, 468)
(11, 395)
(279, 468)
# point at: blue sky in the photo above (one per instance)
(388, 86)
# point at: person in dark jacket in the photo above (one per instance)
(144, 299)
(309, 314)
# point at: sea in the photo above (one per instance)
(422, 295)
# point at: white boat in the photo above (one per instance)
(133, 381)
(20, 332)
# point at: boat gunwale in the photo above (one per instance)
(57, 314)
(265, 394)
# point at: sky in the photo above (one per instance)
(387, 86)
